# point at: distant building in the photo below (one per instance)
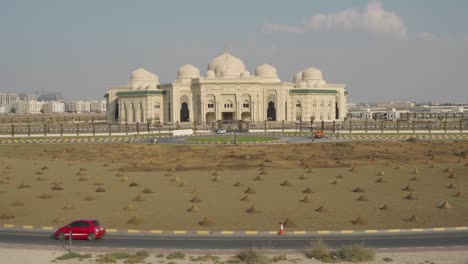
(7, 98)
(27, 97)
(2, 110)
(78, 106)
(50, 96)
(24, 107)
(98, 106)
(53, 107)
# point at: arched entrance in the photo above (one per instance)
(184, 113)
(271, 111)
(116, 113)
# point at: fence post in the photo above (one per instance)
(300, 124)
(398, 126)
(126, 128)
(78, 129)
(265, 126)
(94, 128)
(350, 126)
(365, 126)
(159, 126)
(138, 128)
(195, 127)
(445, 126)
(148, 127)
(61, 130)
(282, 126)
(334, 126)
(461, 127)
(381, 126)
(45, 129)
(29, 130)
(323, 125)
(413, 126)
(12, 130)
(109, 128)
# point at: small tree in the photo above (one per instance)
(13, 110)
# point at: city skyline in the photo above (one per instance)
(383, 50)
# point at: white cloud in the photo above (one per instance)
(373, 18)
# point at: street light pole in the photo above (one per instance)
(235, 131)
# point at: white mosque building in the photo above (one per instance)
(227, 91)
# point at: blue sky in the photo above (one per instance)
(383, 50)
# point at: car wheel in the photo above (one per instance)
(91, 236)
(61, 236)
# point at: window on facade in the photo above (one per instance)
(157, 106)
(228, 105)
(210, 105)
(314, 104)
(298, 118)
(321, 104)
(245, 105)
(298, 104)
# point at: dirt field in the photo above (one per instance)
(367, 185)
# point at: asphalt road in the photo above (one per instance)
(431, 239)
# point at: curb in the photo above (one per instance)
(252, 232)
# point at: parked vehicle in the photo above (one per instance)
(89, 229)
(221, 131)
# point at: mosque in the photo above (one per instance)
(227, 91)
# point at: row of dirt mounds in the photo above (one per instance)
(366, 185)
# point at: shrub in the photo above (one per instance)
(73, 255)
(320, 251)
(279, 258)
(387, 259)
(112, 257)
(355, 253)
(252, 257)
(176, 255)
(138, 257)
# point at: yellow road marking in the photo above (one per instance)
(203, 232)
(272, 232)
(27, 227)
(251, 232)
(417, 229)
(133, 231)
(8, 226)
(393, 230)
(346, 231)
(299, 232)
(323, 232)
(370, 231)
(47, 228)
(461, 228)
(156, 231)
(439, 229)
(179, 232)
(227, 232)
(111, 230)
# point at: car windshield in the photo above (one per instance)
(96, 223)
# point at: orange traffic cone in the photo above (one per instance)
(281, 231)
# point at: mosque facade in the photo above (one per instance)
(227, 91)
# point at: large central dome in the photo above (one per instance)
(226, 65)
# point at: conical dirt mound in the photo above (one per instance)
(216, 179)
(452, 175)
(309, 170)
(258, 178)
(237, 184)
(362, 198)
(249, 190)
(140, 198)
(414, 178)
(308, 190)
(195, 199)
(306, 199)
(130, 207)
(147, 190)
(169, 174)
(302, 177)
(336, 181)
(56, 188)
(321, 209)
(411, 196)
(458, 194)
(383, 207)
(380, 173)
(193, 209)
(135, 221)
(358, 190)
(340, 176)
(380, 180)
(452, 186)
(175, 179)
(216, 173)
(100, 189)
(90, 198)
(412, 219)
(206, 222)
(289, 223)
(445, 205)
(133, 184)
(408, 188)
(415, 172)
(358, 221)
(252, 210)
(68, 206)
(286, 184)
(352, 169)
(245, 198)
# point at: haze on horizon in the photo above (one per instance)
(383, 50)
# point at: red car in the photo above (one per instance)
(89, 229)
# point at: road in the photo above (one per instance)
(452, 238)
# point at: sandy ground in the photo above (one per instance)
(39, 256)
(152, 186)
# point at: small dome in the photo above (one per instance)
(188, 71)
(266, 71)
(210, 74)
(245, 74)
(143, 75)
(297, 77)
(302, 84)
(226, 65)
(312, 74)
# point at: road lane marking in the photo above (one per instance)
(203, 232)
(111, 230)
(393, 230)
(156, 231)
(47, 228)
(461, 228)
(179, 232)
(27, 227)
(417, 230)
(323, 232)
(133, 231)
(227, 232)
(438, 229)
(370, 231)
(346, 231)
(272, 232)
(251, 232)
(8, 226)
(299, 232)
